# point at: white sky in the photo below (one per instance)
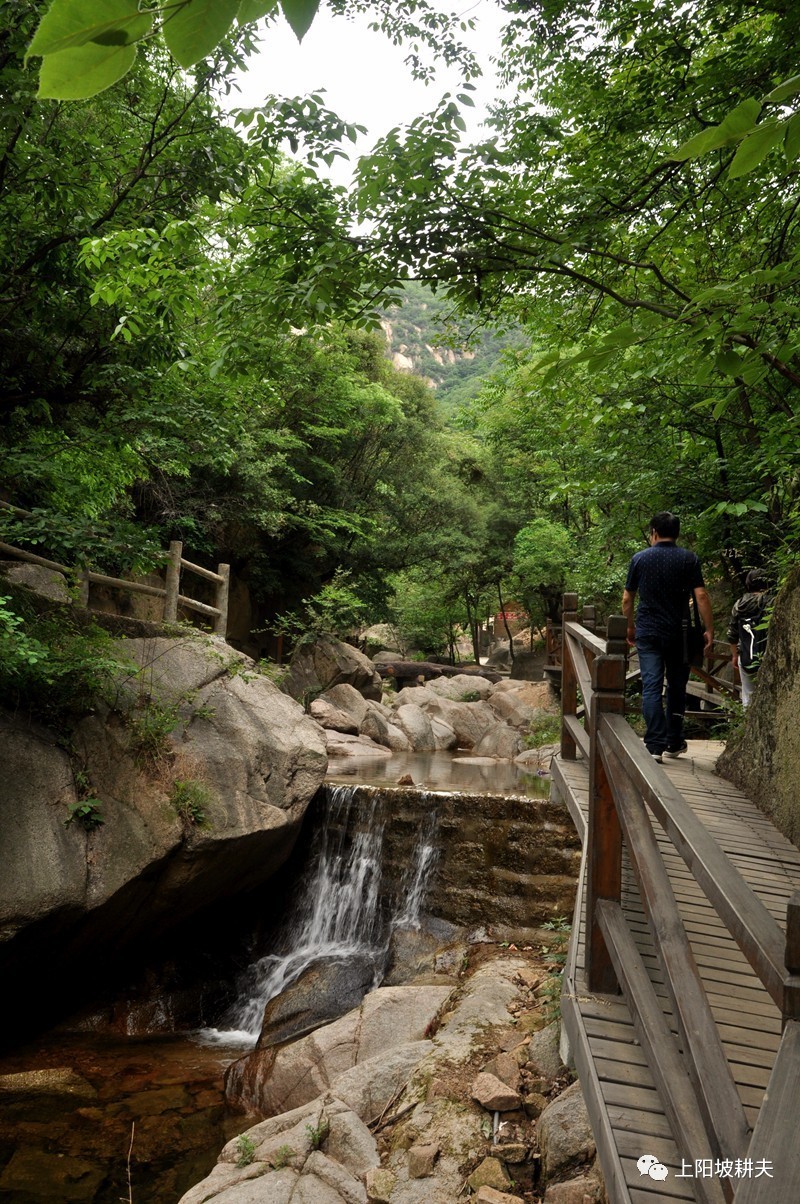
(364, 76)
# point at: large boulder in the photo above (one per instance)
(416, 726)
(443, 734)
(396, 739)
(342, 744)
(202, 773)
(287, 1165)
(329, 662)
(539, 695)
(464, 687)
(501, 741)
(329, 716)
(469, 720)
(48, 583)
(269, 1080)
(325, 991)
(510, 708)
(348, 699)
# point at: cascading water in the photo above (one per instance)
(416, 880)
(345, 909)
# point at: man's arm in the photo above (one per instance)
(706, 614)
(628, 599)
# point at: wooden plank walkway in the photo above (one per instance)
(624, 1106)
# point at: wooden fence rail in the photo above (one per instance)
(170, 592)
(707, 688)
(628, 791)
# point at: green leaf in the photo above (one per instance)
(755, 148)
(83, 71)
(253, 10)
(729, 362)
(71, 23)
(732, 128)
(791, 141)
(300, 15)
(789, 87)
(193, 30)
(621, 336)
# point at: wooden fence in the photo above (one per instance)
(170, 592)
(627, 791)
(709, 686)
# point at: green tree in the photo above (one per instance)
(86, 48)
(656, 283)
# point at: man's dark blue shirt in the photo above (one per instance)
(663, 577)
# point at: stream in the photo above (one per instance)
(108, 1118)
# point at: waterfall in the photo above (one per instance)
(415, 882)
(346, 908)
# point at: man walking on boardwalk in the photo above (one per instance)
(664, 576)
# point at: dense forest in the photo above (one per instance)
(190, 334)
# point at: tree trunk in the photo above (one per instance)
(505, 622)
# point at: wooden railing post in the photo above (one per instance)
(82, 581)
(569, 682)
(589, 618)
(173, 581)
(221, 602)
(604, 834)
(791, 984)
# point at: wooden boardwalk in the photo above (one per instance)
(626, 1111)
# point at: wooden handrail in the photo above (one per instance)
(774, 1138)
(569, 682)
(705, 1061)
(170, 592)
(200, 571)
(136, 587)
(578, 733)
(201, 607)
(580, 668)
(32, 558)
(692, 1074)
(594, 643)
(757, 934)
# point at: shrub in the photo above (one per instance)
(53, 663)
(86, 812)
(190, 799)
(245, 1150)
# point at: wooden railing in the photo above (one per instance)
(627, 791)
(170, 591)
(707, 688)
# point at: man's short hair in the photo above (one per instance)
(756, 580)
(666, 525)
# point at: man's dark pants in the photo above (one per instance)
(660, 656)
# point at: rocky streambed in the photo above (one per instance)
(424, 1094)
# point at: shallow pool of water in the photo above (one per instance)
(443, 771)
(90, 1111)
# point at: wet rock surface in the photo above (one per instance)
(326, 990)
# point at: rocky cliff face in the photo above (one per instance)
(764, 760)
(201, 773)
